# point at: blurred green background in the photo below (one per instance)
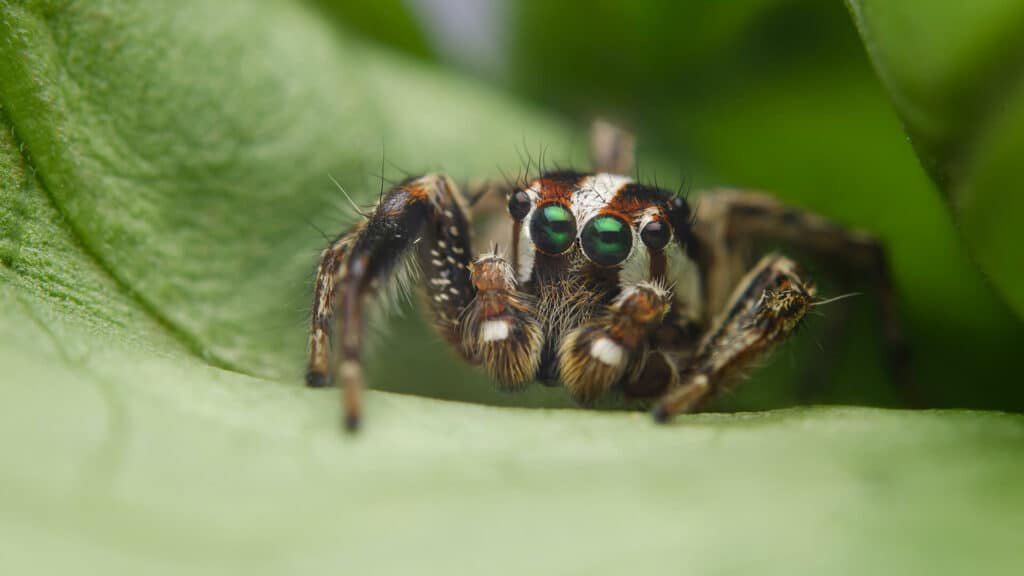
(777, 95)
(165, 188)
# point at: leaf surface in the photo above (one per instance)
(159, 171)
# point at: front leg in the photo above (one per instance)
(499, 327)
(730, 224)
(765, 308)
(599, 354)
(422, 219)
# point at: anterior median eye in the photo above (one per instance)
(553, 229)
(607, 240)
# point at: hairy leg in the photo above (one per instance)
(421, 218)
(597, 355)
(499, 327)
(729, 224)
(765, 308)
(611, 148)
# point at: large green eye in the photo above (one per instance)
(606, 240)
(553, 228)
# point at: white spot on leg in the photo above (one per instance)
(608, 351)
(493, 330)
(350, 371)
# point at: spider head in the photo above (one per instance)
(569, 224)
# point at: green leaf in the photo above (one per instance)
(159, 168)
(194, 167)
(386, 21)
(129, 462)
(955, 74)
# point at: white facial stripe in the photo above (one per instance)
(684, 277)
(607, 351)
(526, 252)
(493, 330)
(637, 268)
(681, 275)
(594, 193)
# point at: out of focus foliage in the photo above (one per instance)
(386, 21)
(164, 181)
(954, 72)
(781, 95)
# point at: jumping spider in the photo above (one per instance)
(608, 285)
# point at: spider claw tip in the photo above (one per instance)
(317, 379)
(660, 414)
(352, 422)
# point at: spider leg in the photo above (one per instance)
(765, 308)
(421, 218)
(730, 223)
(611, 148)
(499, 327)
(489, 202)
(596, 355)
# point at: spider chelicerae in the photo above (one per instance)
(606, 285)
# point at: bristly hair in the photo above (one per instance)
(348, 197)
(657, 285)
(835, 299)
(499, 329)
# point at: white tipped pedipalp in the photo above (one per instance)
(608, 351)
(494, 330)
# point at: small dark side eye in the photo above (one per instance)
(679, 217)
(519, 205)
(607, 240)
(656, 234)
(553, 228)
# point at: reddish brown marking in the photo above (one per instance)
(417, 192)
(643, 307)
(556, 189)
(491, 304)
(492, 291)
(658, 264)
(635, 315)
(613, 212)
(487, 276)
(517, 230)
(632, 205)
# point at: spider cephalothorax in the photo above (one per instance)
(596, 253)
(604, 284)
